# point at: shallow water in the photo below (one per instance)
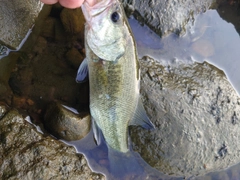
(209, 39)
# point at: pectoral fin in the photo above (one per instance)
(82, 74)
(141, 118)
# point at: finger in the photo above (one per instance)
(49, 1)
(71, 3)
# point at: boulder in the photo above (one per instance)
(25, 153)
(16, 19)
(196, 112)
(64, 123)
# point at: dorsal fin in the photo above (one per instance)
(82, 74)
(141, 118)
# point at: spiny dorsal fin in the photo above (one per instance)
(82, 74)
(141, 118)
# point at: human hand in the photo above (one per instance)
(69, 3)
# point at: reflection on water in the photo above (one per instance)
(210, 39)
(127, 166)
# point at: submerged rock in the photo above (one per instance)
(66, 124)
(166, 16)
(74, 57)
(73, 20)
(25, 153)
(196, 112)
(3, 110)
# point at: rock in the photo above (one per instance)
(74, 57)
(16, 19)
(46, 77)
(25, 154)
(73, 20)
(166, 16)
(196, 112)
(65, 124)
(21, 102)
(49, 28)
(40, 45)
(54, 30)
(3, 110)
(60, 33)
(7, 65)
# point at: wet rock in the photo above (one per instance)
(16, 18)
(54, 29)
(74, 57)
(73, 20)
(7, 65)
(22, 102)
(46, 77)
(196, 113)
(41, 44)
(60, 33)
(3, 110)
(3, 87)
(166, 16)
(27, 154)
(65, 124)
(49, 28)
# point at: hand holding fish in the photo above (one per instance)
(70, 3)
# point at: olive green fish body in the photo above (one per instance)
(114, 95)
(113, 72)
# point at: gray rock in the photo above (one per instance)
(27, 154)
(65, 124)
(16, 19)
(197, 116)
(166, 16)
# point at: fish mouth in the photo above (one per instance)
(96, 9)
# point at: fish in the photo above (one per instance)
(112, 68)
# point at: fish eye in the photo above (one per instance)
(115, 17)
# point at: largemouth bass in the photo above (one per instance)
(112, 67)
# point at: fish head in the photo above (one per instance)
(104, 32)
